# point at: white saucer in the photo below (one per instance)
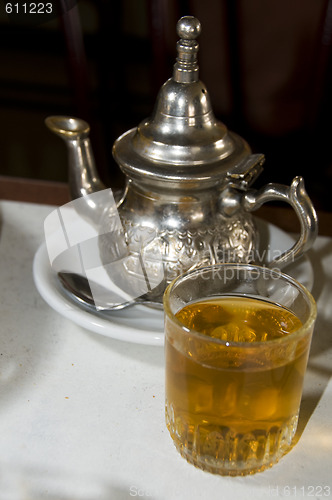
(142, 324)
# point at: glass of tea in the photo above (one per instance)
(237, 339)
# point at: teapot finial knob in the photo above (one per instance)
(186, 68)
(188, 27)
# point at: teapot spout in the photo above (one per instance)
(83, 176)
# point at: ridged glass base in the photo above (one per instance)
(220, 450)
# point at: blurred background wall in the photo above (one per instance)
(267, 67)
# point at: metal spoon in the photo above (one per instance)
(78, 288)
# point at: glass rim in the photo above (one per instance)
(304, 328)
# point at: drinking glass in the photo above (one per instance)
(237, 339)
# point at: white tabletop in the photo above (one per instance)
(82, 415)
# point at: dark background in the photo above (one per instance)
(267, 67)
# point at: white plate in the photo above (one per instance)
(141, 324)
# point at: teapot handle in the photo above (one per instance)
(297, 197)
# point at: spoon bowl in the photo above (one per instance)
(78, 288)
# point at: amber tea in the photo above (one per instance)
(233, 391)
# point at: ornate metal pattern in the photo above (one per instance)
(170, 251)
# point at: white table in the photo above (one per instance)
(82, 415)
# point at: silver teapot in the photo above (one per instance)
(188, 196)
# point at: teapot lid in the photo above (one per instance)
(182, 142)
